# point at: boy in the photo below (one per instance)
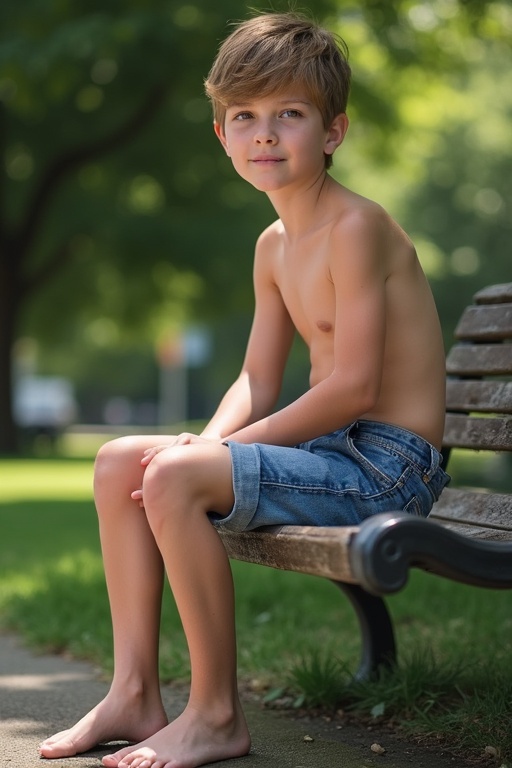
(363, 439)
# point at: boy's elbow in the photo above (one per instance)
(364, 402)
(369, 393)
(363, 394)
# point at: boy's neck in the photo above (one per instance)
(304, 210)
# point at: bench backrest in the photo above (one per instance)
(479, 409)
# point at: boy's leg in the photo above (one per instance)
(134, 573)
(181, 485)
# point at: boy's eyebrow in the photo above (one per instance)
(291, 100)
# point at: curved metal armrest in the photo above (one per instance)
(388, 545)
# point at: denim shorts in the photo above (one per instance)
(338, 479)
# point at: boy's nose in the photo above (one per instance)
(265, 136)
(265, 140)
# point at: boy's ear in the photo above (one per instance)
(219, 132)
(336, 133)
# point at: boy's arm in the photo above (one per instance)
(357, 268)
(254, 393)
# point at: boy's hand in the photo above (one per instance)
(186, 438)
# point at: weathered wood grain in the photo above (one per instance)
(485, 322)
(494, 294)
(306, 549)
(482, 434)
(479, 360)
(478, 508)
(479, 396)
(476, 531)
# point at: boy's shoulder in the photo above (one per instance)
(271, 236)
(360, 217)
(356, 210)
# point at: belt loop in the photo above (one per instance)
(434, 464)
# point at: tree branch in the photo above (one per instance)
(70, 161)
(46, 271)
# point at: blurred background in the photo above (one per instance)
(126, 238)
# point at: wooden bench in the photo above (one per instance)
(468, 535)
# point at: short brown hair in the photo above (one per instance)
(271, 51)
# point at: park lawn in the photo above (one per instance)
(297, 635)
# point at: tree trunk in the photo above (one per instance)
(9, 302)
(15, 246)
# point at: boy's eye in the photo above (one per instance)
(291, 113)
(242, 116)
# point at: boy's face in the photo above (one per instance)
(279, 140)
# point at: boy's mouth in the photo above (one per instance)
(266, 159)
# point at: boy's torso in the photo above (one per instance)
(413, 368)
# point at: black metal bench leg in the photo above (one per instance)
(377, 635)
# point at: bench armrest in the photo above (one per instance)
(386, 546)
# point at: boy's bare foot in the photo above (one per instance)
(191, 740)
(113, 719)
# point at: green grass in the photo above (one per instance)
(455, 676)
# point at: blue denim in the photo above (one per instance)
(338, 479)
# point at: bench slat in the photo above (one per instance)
(306, 549)
(481, 434)
(483, 396)
(485, 322)
(494, 294)
(476, 531)
(474, 508)
(479, 360)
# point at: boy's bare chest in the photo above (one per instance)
(305, 284)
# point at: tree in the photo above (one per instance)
(96, 102)
(117, 208)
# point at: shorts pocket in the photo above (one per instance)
(385, 470)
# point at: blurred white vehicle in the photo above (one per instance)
(44, 404)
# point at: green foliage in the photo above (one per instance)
(121, 219)
(68, 607)
(98, 102)
(322, 680)
(419, 684)
(464, 703)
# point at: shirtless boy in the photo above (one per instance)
(363, 439)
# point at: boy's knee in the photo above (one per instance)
(113, 457)
(109, 449)
(168, 469)
(105, 455)
(171, 482)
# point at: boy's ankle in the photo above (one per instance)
(133, 688)
(220, 714)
